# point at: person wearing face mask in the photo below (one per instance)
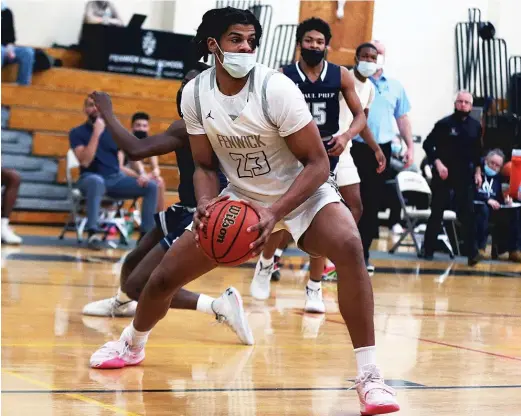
(140, 129)
(102, 13)
(100, 174)
(389, 108)
(254, 124)
(324, 86)
(489, 202)
(454, 148)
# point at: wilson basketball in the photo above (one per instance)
(224, 237)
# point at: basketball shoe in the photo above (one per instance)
(110, 307)
(261, 284)
(376, 398)
(228, 309)
(314, 302)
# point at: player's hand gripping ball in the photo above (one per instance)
(223, 236)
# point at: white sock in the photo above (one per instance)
(278, 253)
(5, 222)
(139, 339)
(122, 297)
(265, 261)
(365, 356)
(204, 304)
(314, 285)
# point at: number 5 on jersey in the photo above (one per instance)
(251, 164)
(318, 111)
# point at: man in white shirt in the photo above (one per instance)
(254, 124)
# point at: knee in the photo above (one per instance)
(25, 54)
(348, 245)
(152, 188)
(94, 185)
(161, 284)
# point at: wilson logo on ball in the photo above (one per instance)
(229, 219)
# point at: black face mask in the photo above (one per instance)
(312, 57)
(140, 134)
(461, 114)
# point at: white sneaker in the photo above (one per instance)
(376, 398)
(110, 307)
(118, 354)
(229, 309)
(397, 229)
(9, 236)
(314, 302)
(260, 285)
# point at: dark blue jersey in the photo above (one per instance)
(323, 98)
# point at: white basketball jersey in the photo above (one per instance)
(251, 152)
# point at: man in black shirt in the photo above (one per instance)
(22, 55)
(454, 149)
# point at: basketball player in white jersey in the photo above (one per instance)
(254, 123)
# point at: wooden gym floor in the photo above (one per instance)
(449, 340)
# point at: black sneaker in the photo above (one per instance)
(472, 261)
(426, 255)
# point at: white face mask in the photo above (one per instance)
(238, 65)
(380, 61)
(366, 69)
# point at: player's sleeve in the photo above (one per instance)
(189, 111)
(371, 96)
(287, 108)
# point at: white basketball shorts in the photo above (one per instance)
(346, 171)
(299, 220)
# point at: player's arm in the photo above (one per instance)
(368, 137)
(307, 147)
(347, 86)
(160, 144)
(289, 111)
(206, 180)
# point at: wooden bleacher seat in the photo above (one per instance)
(52, 105)
(49, 98)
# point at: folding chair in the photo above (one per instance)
(77, 222)
(415, 183)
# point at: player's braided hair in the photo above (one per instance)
(314, 23)
(217, 21)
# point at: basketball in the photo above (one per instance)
(507, 170)
(223, 237)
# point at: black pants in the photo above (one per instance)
(371, 190)
(463, 190)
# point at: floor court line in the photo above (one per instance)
(445, 344)
(77, 395)
(260, 389)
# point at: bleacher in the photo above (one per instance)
(38, 118)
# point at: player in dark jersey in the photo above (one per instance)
(170, 224)
(323, 85)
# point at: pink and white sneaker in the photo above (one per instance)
(376, 398)
(118, 354)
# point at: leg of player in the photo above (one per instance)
(122, 305)
(333, 234)
(351, 196)
(261, 283)
(314, 302)
(285, 240)
(183, 263)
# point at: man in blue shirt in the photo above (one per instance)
(389, 108)
(100, 175)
